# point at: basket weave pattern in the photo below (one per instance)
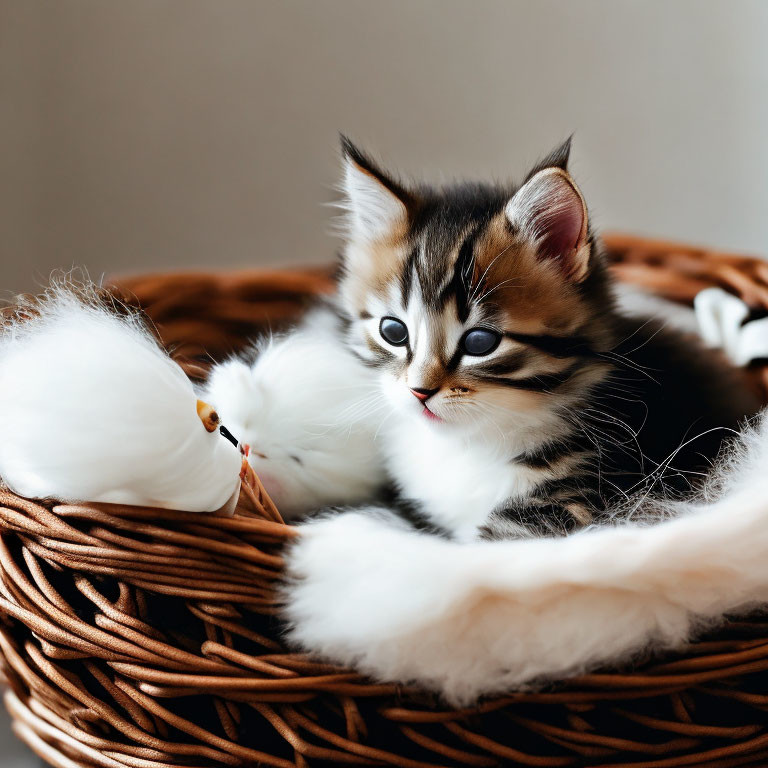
(142, 638)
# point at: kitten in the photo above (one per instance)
(522, 401)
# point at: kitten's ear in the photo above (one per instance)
(557, 158)
(377, 205)
(550, 211)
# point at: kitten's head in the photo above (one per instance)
(478, 303)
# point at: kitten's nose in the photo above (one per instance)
(423, 394)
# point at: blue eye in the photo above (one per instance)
(480, 341)
(393, 331)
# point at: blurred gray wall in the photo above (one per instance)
(151, 134)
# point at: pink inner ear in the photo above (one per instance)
(558, 220)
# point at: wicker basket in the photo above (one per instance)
(145, 638)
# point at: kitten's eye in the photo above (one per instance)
(480, 341)
(393, 331)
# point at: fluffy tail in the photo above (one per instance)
(474, 619)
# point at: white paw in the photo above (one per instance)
(347, 579)
(370, 593)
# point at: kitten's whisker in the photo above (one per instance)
(663, 465)
(648, 340)
(387, 415)
(617, 359)
(496, 288)
(635, 332)
(476, 288)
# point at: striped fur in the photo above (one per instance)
(571, 410)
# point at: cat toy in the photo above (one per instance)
(94, 409)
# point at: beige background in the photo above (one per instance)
(151, 134)
(157, 134)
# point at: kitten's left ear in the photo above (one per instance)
(557, 158)
(550, 211)
(378, 206)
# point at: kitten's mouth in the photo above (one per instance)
(430, 415)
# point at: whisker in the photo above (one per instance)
(476, 288)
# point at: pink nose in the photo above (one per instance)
(422, 394)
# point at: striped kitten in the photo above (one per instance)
(522, 402)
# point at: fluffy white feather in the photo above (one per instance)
(472, 619)
(310, 412)
(94, 409)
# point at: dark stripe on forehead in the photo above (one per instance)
(406, 276)
(430, 267)
(436, 262)
(442, 222)
(459, 286)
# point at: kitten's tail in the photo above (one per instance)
(468, 620)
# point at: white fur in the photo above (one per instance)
(637, 302)
(457, 475)
(481, 618)
(373, 210)
(305, 397)
(93, 409)
(722, 319)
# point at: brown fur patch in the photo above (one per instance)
(372, 267)
(535, 296)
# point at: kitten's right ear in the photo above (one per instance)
(550, 211)
(376, 204)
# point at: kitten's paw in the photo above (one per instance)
(332, 550)
(369, 593)
(339, 579)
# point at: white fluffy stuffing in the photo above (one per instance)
(479, 618)
(310, 412)
(94, 409)
(724, 322)
(636, 302)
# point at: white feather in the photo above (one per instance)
(95, 410)
(310, 412)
